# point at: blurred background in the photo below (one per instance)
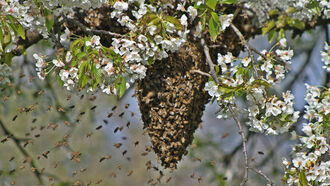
(65, 138)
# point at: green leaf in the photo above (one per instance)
(49, 18)
(1, 39)
(213, 29)
(81, 55)
(120, 85)
(273, 12)
(16, 26)
(211, 3)
(75, 45)
(215, 17)
(271, 36)
(281, 34)
(81, 68)
(302, 179)
(266, 29)
(174, 21)
(228, 2)
(298, 24)
(60, 81)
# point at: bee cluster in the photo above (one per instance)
(172, 100)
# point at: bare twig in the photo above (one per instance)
(241, 132)
(200, 72)
(37, 172)
(209, 61)
(263, 175)
(90, 31)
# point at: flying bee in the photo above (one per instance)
(118, 166)
(121, 128)
(56, 164)
(224, 135)
(83, 169)
(45, 154)
(41, 92)
(15, 117)
(126, 106)
(34, 120)
(168, 179)
(37, 135)
(116, 130)
(110, 114)
(21, 76)
(82, 113)
(114, 108)
(68, 97)
(99, 127)
(89, 134)
(124, 152)
(130, 173)
(92, 98)
(82, 96)
(136, 143)
(113, 174)
(12, 171)
(72, 106)
(121, 114)
(144, 153)
(192, 175)
(12, 158)
(105, 121)
(117, 145)
(199, 179)
(99, 181)
(93, 108)
(128, 124)
(67, 123)
(31, 79)
(261, 153)
(124, 138)
(132, 114)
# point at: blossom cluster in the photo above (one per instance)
(253, 80)
(308, 163)
(306, 9)
(326, 57)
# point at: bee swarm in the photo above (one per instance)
(172, 100)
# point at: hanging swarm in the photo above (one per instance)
(172, 100)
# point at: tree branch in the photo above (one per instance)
(209, 60)
(36, 172)
(241, 132)
(263, 175)
(88, 30)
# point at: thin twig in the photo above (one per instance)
(209, 61)
(36, 172)
(200, 72)
(90, 31)
(263, 175)
(241, 132)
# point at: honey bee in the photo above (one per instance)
(56, 164)
(132, 114)
(15, 117)
(121, 128)
(82, 96)
(99, 127)
(168, 179)
(105, 121)
(121, 114)
(136, 143)
(12, 158)
(128, 124)
(99, 181)
(192, 175)
(68, 97)
(34, 120)
(126, 106)
(114, 108)
(72, 106)
(144, 153)
(118, 167)
(37, 135)
(124, 152)
(89, 134)
(93, 108)
(82, 113)
(148, 97)
(92, 98)
(45, 154)
(117, 145)
(224, 135)
(83, 169)
(199, 179)
(116, 129)
(110, 114)
(261, 153)
(130, 173)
